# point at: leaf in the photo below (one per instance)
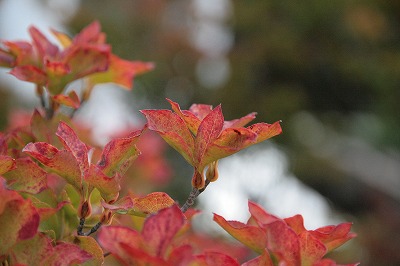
(43, 46)
(265, 131)
(264, 259)
(229, 142)
(209, 130)
(61, 162)
(90, 34)
(62, 38)
(127, 245)
(241, 122)
(90, 245)
(296, 223)
(30, 73)
(23, 52)
(173, 130)
(108, 187)
(18, 218)
(311, 249)
(334, 236)
(6, 59)
(66, 254)
(211, 258)
(151, 203)
(32, 251)
(159, 230)
(70, 100)
(120, 72)
(27, 177)
(283, 242)
(259, 215)
(73, 144)
(7, 163)
(251, 236)
(117, 152)
(191, 120)
(87, 59)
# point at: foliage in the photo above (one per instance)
(55, 186)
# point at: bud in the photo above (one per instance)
(198, 180)
(106, 217)
(85, 209)
(212, 171)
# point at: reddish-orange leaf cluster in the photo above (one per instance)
(72, 163)
(202, 137)
(86, 55)
(286, 240)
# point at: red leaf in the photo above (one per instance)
(43, 46)
(158, 230)
(27, 177)
(191, 120)
(6, 164)
(18, 218)
(209, 130)
(90, 34)
(173, 130)
(296, 223)
(241, 122)
(311, 249)
(70, 100)
(259, 215)
(118, 152)
(30, 73)
(66, 254)
(73, 144)
(283, 242)
(61, 162)
(108, 187)
(217, 259)
(23, 51)
(88, 59)
(251, 236)
(264, 259)
(334, 236)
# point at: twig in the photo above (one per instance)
(92, 230)
(192, 196)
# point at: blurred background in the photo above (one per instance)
(330, 70)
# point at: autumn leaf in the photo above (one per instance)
(159, 230)
(251, 236)
(334, 236)
(18, 218)
(70, 100)
(211, 258)
(62, 162)
(27, 177)
(7, 163)
(202, 137)
(117, 153)
(264, 259)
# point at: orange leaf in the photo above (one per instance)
(251, 236)
(151, 203)
(70, 100)
(6, 164)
